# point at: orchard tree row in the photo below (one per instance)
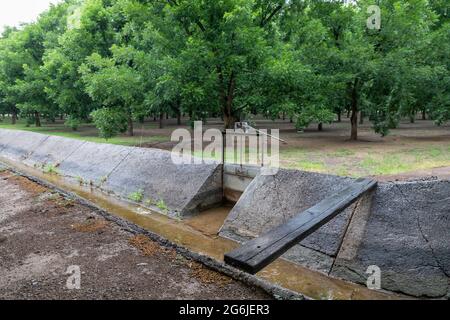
(116, 61)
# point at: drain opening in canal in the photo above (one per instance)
(236, 179)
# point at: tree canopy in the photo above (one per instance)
(116, 61)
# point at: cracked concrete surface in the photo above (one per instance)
(272, 200)
(402, 227)
(406, 234)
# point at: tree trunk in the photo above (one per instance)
(354, 121)
(361, 120)
(37, 119)
(179, 117)
(130, 126)
(161, 120)
(320, 127)
(14, 117)
(354, 111)
(229, 121)
(227, 98)
(176, 108)
(231, 117)
(424, 115)
(412, 118)
(339, 116)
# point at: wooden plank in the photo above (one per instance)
(260, 252)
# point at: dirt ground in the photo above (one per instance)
(43, 236)
(412, 147)
(332, 135)
(410, 150)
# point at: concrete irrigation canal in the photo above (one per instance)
(303, 234)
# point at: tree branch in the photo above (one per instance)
(197, 21)
(266, 20)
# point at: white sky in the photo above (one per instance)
(13, 12)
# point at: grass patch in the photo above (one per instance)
(343, 172)
(431, 153)
(315, 166)
(435, 152)
(293, 153)
(405, 162)
(388, 164)
(342, 153)
(86, 132)
(348, 162)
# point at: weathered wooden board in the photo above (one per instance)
(260, 252)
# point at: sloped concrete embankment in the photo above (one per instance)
(403, 228)
(145, 175)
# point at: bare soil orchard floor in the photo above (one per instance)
(411, 148)
(410, 151)
(42, 234)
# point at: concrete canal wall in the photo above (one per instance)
(146, 175)
(402, 228)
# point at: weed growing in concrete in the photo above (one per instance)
(137, 196)
(162, 206)
(178, 216)
(103, 179)
(149, 202)
(50, 169)
(80, 180)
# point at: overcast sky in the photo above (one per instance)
(13, 12)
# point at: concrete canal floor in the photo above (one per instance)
(42, 234)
